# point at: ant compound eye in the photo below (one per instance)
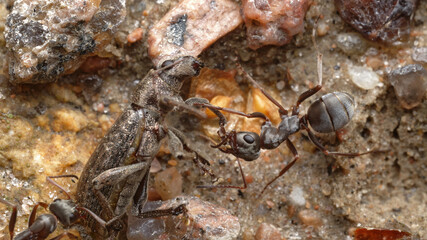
(167, 63)
(248, 145)
(249, 139)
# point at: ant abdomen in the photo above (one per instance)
(331, 112)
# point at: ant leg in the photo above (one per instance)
(325, 151)
(13, 217)
(34, 211)
(245, 185)
(49, 179)
(282, 110)
(214, 109)
(287, 167)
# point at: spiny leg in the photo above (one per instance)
(110, 178)
(183, 106)
(173, 211)
(287, 167)
(13, 217)
(200, 158)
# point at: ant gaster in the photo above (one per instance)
(328, 114)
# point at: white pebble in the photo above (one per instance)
(363, 77)
(297, 196)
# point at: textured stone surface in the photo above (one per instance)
(49, 38)
(386, 21)
(190, 27)
(273, 22)
(346, 192)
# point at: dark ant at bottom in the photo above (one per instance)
(67, 213)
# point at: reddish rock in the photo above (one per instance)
(273, 22)
(385, 21)
(190, 27)
(310, 218)
(267, 232)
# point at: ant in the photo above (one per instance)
(63, 210)
(328, 114)
(67, 213)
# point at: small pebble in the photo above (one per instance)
(249, 179)
(267, 232)
(420, 54)
(135, 35)
(297, 196)
(310, 218)
(322, 28)
(155, 166)
(168, 183)
(172, 162)
(410, 84)
(363, 77)
(351, 43)
(374, 62)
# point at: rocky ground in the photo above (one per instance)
(52, 128)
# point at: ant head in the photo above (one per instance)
(65, 211)
(248, 146)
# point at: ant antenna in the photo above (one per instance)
(49, 179)
(319, 55)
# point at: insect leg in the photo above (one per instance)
(111, 177)
(287, 167)
(322, 148)
(13, 217)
